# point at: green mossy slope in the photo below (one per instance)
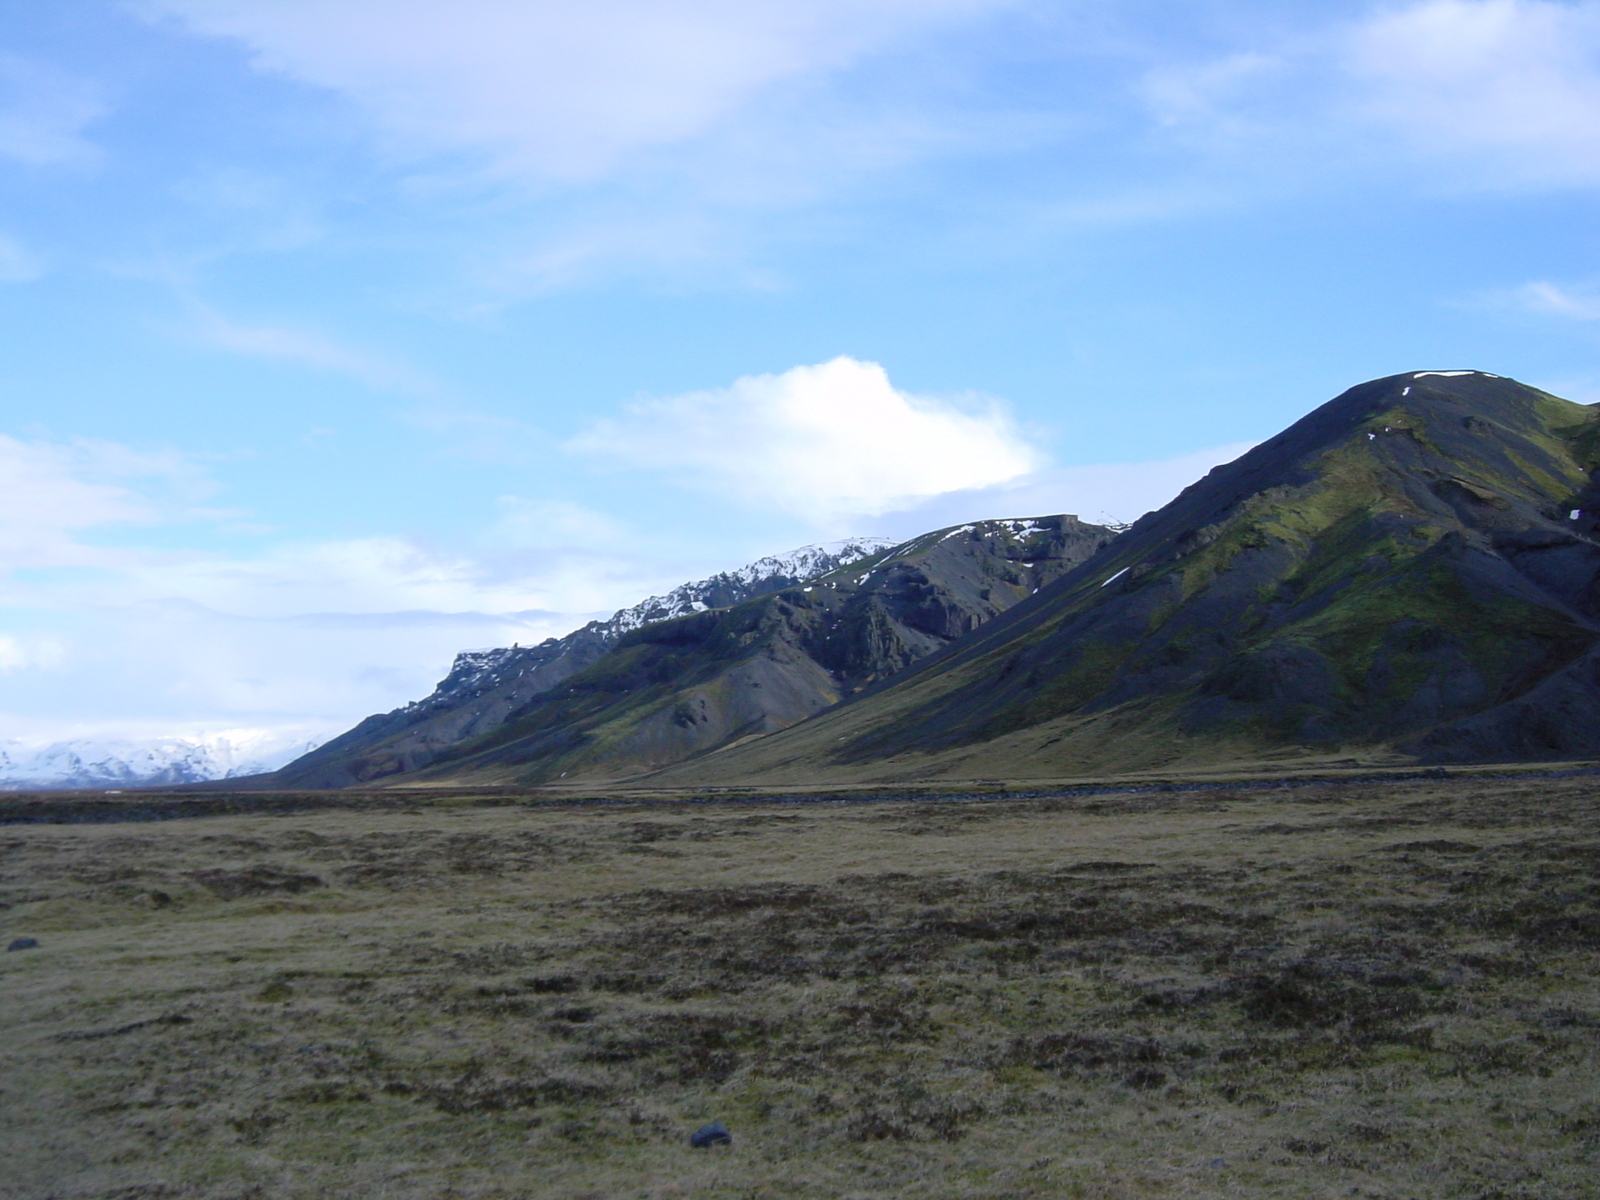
(1401, 570)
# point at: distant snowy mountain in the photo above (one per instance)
(93, 763)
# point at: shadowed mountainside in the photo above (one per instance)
(484, 687)
(1408, 571)
(671, 689)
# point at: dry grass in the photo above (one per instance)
(1331, 991)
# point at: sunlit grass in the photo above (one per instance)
(1215, 993)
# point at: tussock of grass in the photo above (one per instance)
(1216, 993)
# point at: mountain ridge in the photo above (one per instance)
(690, 686)
(1408, 573)
(484, 686)
(1248, 617)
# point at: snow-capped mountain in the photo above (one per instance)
(96, 763)
(114, 762)
(474, 670)
(731, 587)
(485, 687)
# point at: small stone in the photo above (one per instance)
(1219, 1162)
(714, 1134)
(24, 944)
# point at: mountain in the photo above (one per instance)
(681, 687)
(1411, 572)
(89, 763)
(484, 687)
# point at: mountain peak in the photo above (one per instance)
(1411, 569)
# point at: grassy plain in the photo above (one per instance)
(1384, 990)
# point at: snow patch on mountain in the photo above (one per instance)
(477, 670)
(147, 762)
(730, 587)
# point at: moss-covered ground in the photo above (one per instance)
(1334, 990)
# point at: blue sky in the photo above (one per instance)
(340, 335)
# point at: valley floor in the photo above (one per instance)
(1384, 990)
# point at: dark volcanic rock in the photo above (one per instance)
(1414, 566)
(736, 656)
(713, 1134)
(485, 687)
(677, 689)
(24, 943)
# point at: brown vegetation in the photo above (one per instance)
(1342, 989)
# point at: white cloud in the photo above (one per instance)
(559, 91)
(383, 574)
(43, 112)
(1100, 493)
(659, 136)
(483, 437)
(816, 442)
(30, 653)
(59, 501)
(1209, 93)
(170, 667)
(100, 633)
(651, 136)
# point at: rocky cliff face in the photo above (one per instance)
(484, 687)
(1412, 570)
(680, 688)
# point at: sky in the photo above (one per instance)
(342, 335)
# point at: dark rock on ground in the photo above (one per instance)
(714, 1134)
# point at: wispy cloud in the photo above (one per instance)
(549, 524)
(815, 442)
(622, 137)
(1576, 302)
(1514, 81)
(17, 264)
(555, 91)
(26, 653)
(481, 437)
(659, 137)
(1440, 94)
(106, 616)
(307, 348)
(52, 492)
(43, 113)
